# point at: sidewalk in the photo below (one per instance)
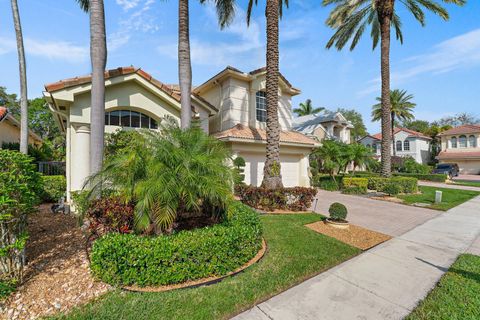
(386, 282)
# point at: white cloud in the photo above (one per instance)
(127, 4)
(460, 52)
(6, 45)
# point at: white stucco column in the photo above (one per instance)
(305, 171)
(68, 159)
(79, 155)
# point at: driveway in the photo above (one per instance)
(468, 177)
(381, 216)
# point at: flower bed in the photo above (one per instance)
(129, 259)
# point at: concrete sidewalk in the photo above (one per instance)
(447, 186)
(386, 282)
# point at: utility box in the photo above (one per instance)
(438, 196)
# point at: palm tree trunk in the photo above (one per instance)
(385, 12)
(272, 177)
(393, 134)
(184, 64)
(23, 79)
(98, 55)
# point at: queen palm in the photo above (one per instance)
(23, 79)
(306, 108)
(98, 55)
(272, 177)
(351, 18)
(401, 110)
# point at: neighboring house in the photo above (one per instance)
(10, 130)
(328, 125)
(408, 143)
(461, 145)
(231, 106)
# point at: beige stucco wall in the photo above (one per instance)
(10, 133)
(447, 145)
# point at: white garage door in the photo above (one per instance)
(469, 167)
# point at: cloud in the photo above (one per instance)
(127, 4)
(460, 52)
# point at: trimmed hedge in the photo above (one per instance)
(54, 188)
(127, 259)
(355, 185)
(426, 177)
(405, 184)
(295, 199)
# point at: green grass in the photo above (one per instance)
(456, 296)
(294, 254)
(466, 183)
(450, 197)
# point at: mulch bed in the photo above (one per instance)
(57, 276)
(355, 236)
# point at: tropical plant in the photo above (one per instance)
(329, 157)
(272, 178)
(360, 155)
(23, 79)
(338, 211)
(98, 56)
(351, 18)
(306, 108)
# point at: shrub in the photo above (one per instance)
(110, 214)
(355, 184)
(295, 199)
(327, 182)
(412, 166)
(81, 202)
(391, 188)
(54, 188)
(127, 259)
(427, 177)
(239, 170)
(406, 184)
(338, 211)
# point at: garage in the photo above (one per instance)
(469, 167)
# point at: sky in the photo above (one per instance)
(439, 63)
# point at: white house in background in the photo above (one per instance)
(407, 143)
(10, 130)
(461, 145)
(231, 106)
(327, 125)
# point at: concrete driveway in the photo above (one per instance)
(381, 216)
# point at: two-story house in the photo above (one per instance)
(231, 106)
(408, 143)
(326, 125)
(460, 145)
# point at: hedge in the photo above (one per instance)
(357, 185)
(427, 177)
(54, 188)
(406, 184)
(127, 259)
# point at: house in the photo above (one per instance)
(460, 145)
(408, 143)
(231, 106)
(328, 125)
(10, 130)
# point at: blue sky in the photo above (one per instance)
(439, 64)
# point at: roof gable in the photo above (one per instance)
(411, 134)
(464, 129)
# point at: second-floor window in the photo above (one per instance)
(261, 106)
(406, 145)
(472, 141)
(374, 147)
(462, 141)
(399, 145)
(129, 119)
(453, 141)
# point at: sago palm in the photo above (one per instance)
(272, 177)
(401, 110)
(306, 108)
(350, 19)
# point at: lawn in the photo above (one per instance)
(450, 198)
(456, 296)
(466, 183)
(294, 254)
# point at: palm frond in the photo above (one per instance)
(84, 4)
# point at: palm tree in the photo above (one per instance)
(306, 108)
(351, 18)
(225, 13)
(272, 177)
(401, 109)
(98, 55)
(360, 155)
(23, 79)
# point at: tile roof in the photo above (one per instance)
(468, 128)
(458, 155)
(243, 132)
(398, 129)
(3, 112)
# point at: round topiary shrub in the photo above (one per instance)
(338, 212)
(130, 259)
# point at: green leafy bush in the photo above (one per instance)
(327, 182)
(338, 211)
(81, 202)
(126, 259)
(54, 188)
(359, 184)
(391, 188)
(427, 177)
(295, 199)
(239, 170)
(406, 184)
(409, 165)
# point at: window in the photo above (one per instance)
(472, 141)
(406, 145)
(399, 145)
(454, 142)
(462, 141)
(261, 106)
(374, 147)
(129, 119)
(368, 146)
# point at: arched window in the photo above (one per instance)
(399, 145)
(261, 104)
(453, 141)
(406, 145)
(129, 119)
(462, 141)
(472, 141)
(374, 147)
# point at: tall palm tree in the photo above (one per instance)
(306, 108)
(98, 56)
(272, 177)
(401, 109)
(23, 79)
(351, 18)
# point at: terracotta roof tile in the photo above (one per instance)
(468, 128)
(458, 155)
(398, 129)
(243, 132)
(3, 112)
